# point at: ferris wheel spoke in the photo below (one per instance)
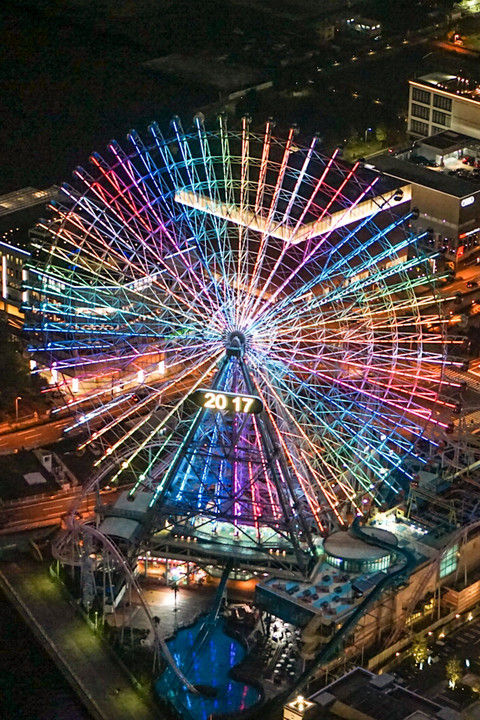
(128, 256)
(111, 302)
(397, 401)
(310, 471)
(149, 437)
(324, 398)
(341, 268)
(291, 202)
(178, 183)
(271, 208)
(317, 245)
(221, 253)
(219, 261)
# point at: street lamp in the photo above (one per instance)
(19, 397)
(366, 133)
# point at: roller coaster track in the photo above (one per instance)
(158, 638)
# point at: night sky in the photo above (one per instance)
(71, 75)
(70, 80)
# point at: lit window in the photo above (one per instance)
(449, 561)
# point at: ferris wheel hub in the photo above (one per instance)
(236, 342)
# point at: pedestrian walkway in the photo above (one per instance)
(83, 657)
(176, 610)
(472, 381)
(173, 610)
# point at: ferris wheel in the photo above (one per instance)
(236, 318)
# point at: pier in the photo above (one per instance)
(86, 661)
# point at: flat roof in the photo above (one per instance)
(137, 502)
(359, 690)
(436, 78)
(342, 544)
(448, 141)
(25, 198)
(461, 86)
(120, 527)
(420, 175)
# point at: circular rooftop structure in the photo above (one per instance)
(350, 553)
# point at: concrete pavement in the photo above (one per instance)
(82, 656)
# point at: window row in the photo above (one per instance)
(419, 128)
(441, 118)
(421, 111)
(442, 102)
(421, 96)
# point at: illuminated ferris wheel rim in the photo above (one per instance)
(187, 244)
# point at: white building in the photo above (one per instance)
(439, 101)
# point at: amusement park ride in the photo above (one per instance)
(239, 315)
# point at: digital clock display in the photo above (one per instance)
(230, 402)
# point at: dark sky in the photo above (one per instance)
(70, 80)
(71, 75)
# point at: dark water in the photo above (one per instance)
(31, 687)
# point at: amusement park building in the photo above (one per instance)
(442, 589)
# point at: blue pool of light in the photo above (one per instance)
(208, 665)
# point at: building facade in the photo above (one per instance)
(14, 275)
(440, 101)
(445, 190)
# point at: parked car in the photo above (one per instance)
(421, 160)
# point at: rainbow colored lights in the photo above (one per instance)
(157, 255)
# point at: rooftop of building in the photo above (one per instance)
(332, 592)
(449, 141)
(412, 165)
(458, 85)
(25, 198)
(361, 693)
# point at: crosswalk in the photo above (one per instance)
(460, 376)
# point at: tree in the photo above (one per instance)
(420, 649)
(15, 373)
(381, 133)
(453, 669)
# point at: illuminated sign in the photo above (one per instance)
(467, 201)
(230, 402)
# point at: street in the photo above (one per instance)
(43, 510)
(44, 433)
